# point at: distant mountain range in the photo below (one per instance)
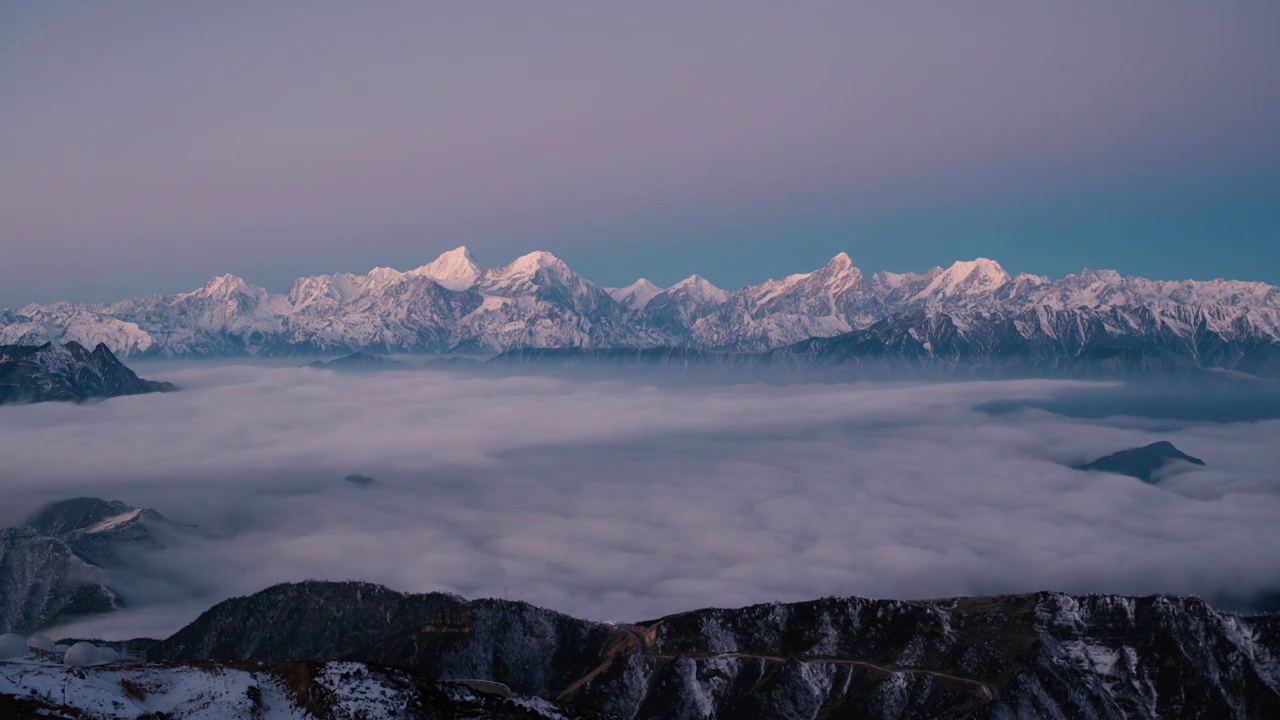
(972, 312)
(1041, 655)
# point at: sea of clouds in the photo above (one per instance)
(629, 499)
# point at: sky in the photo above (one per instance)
(648, 498)
(148, 146)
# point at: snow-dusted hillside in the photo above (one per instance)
(290, 691)
(1040, 655)
(536, 301)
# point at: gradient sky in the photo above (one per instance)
(146, 146)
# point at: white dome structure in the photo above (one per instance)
(108, 655)
(82, 653)
(13, 647)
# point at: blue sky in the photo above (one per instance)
(149, 146)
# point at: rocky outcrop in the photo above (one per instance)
(67, 372)
(1142, 463)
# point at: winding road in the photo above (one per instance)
(988, 691)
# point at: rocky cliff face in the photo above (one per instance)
(1039, 655)
(66, 372)
(971, 311)
(43, 580)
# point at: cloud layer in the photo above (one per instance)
(621, 500)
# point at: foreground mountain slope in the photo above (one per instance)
(310, 620)
(42, 580)
(1037, 655)
(30, 373)
(454, 304)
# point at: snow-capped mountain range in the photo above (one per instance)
(454, 304)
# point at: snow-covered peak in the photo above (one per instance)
(382, 276)
(519, 272)
(839, 274)
(636, 295)
(966, 277)
(531, 263)
(700, 288)
(840, 262)
(1030, 279)
(455, 269)
(1089, 275)
(892, 280)
(981, 270)
(225, 286)
(532, 273)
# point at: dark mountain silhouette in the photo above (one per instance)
(1034, 655)
(1142, 463)
(38, 373)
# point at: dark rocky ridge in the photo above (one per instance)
(30, 373)
(302, 621)
(1142, 463)
(1036, 655)
(359, 361)
(96, 530)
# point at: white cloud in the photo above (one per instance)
(619, 500)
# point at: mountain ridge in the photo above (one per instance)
(454, 304)
(1043, 654)
(67, 371)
